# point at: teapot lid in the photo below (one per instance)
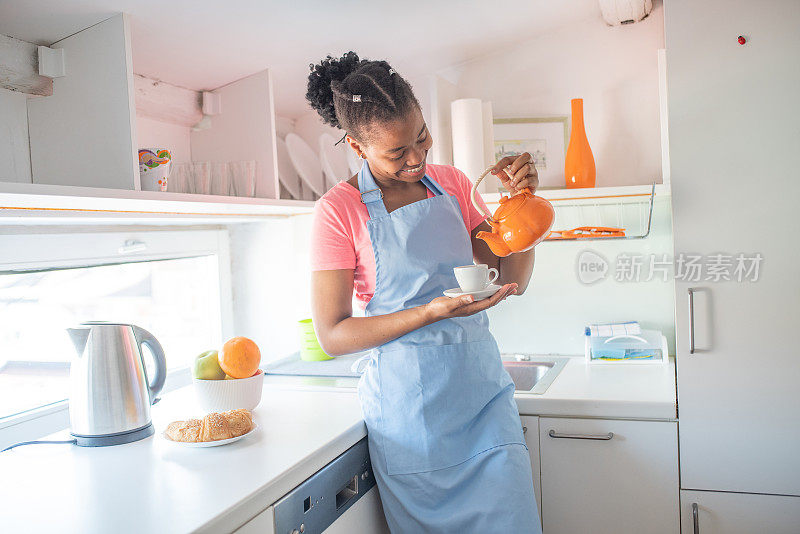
(510, 205)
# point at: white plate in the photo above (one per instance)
(286, 173)
(306, 163)
(208, 443)
(490, 290)
(333, 159)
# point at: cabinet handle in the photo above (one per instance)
(695, 519)
(524, 429)
(602, 437)
(691, 319)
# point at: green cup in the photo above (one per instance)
(310, 350)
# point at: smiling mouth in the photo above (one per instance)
(415, 170)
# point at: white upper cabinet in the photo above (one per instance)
(733, 111)
(244, 130)
(84, 133)
(87, 133)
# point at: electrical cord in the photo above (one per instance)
(38, 442)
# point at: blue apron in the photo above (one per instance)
(445, 436)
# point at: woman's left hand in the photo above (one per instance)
(517, 172)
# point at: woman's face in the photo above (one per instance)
(397, 149)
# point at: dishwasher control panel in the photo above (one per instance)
(319, 501)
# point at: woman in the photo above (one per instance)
(445, 437)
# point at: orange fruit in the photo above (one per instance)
(239, 357)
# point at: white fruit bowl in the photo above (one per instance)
(225, 395)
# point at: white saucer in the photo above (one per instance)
(490, 290)
(209, 443)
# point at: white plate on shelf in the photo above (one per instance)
(334, 160)
(202, 444)
(490, 290)
(306, 163)
(286, 173)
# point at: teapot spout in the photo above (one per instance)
(79, 337)
(496, 244)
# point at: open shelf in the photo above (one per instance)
(55, 204)
(626, 207)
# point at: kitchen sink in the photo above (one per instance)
(532, 374)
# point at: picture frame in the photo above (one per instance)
(546, 138)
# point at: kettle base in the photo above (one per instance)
(118, 438)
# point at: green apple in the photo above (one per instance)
(206, 366)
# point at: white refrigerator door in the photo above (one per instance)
(734, 143)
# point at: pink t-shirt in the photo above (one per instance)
(339, 236)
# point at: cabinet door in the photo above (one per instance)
(84, 134)
(530, 426)
(738, 513)
(613, 477)
(733, 149)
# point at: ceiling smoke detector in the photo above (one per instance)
(618, 12)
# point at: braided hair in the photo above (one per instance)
(351, 93)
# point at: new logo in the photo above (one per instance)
(592, 267)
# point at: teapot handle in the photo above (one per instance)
(478, 207)
(143, 337)
(475, 189)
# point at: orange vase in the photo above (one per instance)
(579, 170)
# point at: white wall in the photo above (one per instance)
(550, 316)
(270, 277)
(151, 133)
(15, 156)
(442, 92)
(271, 290)
(615, 71)
(283, 125)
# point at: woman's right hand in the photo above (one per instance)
(447, 307)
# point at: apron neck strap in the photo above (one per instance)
(372, 196)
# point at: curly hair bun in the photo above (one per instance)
(319, 93)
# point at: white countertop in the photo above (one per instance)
(612, 391)
(155, 486)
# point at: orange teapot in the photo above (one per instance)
(519, 224)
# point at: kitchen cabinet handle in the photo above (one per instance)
(524, 429)
(691, 320)
(695, 519)
(602, 437)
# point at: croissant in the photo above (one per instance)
(213, 427)
(240, 421)
(185, 430)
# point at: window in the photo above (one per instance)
(170, 285)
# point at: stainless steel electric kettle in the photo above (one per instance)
(110, 395)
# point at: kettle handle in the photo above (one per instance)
(143, 337)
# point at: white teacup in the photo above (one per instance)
(475, 277)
